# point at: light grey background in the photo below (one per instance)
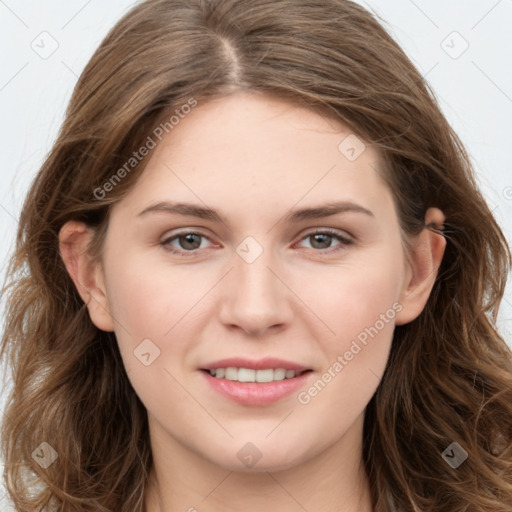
(463, 48)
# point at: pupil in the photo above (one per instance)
(188, 240)
(321, 236)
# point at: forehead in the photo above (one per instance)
(262, 152)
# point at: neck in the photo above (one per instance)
(333, 481)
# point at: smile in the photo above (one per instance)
(250, 375)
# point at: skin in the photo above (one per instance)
(254, 158)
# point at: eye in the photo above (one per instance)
(189, 241)
(323, 237)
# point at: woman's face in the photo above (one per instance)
(254, 282)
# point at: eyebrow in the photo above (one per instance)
(316, 212)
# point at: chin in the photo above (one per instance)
(249, 459)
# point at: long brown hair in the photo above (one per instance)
(449, 375)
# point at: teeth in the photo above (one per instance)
(248, 375)
(231, 374)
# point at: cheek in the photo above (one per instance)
(150, 294)
(360, 308)
(150, 307)
(146, 302)
(356, 296)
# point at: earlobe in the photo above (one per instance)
(87, 274)
(427, 254)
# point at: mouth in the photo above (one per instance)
(255, 388)
(261, 376)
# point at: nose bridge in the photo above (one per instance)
(255, 298)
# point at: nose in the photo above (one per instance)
(255, 298)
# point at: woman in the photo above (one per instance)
(256, 369)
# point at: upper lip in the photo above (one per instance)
(260, 364)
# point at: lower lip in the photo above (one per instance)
(256, 393)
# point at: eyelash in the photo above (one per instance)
(345, 241)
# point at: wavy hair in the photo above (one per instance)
(449, 374)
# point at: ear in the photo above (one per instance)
(427, 254)
(87, 274)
